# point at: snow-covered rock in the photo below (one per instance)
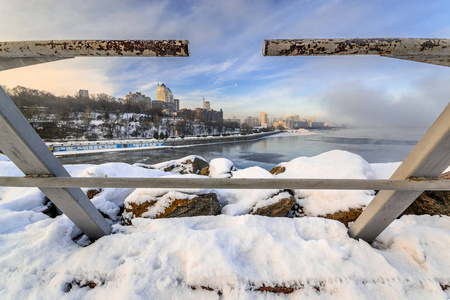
(276, 206)
(170, 205)
(221, 168)
(192, 164)
(334, 164)
(240, 202)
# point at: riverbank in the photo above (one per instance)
(90, 147)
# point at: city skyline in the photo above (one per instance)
(161, 91)
(226, 65)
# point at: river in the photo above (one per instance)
(376, 145)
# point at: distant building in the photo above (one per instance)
(264, 120)
(83, 93)
(164, 100)
(294, 118)
(206, 114)
(252, 121)
(137, 97)
(233, 121)
(206, 104)
(209, 115)
(185, 113)
(164, 94)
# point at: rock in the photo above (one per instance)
(205, 171)
(92, 192)
(277, 170)
(296, 211)
(445, 176)
(280, 208)
(198, 165)
(277, 289)
(431, 202)
(187, 165)
(168, 206)
(345, 217)
(50, 209)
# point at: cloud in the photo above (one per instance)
(225, 40)
(63, 77)
(354, 103)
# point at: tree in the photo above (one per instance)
(280, 127)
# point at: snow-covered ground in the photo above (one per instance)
(233, 255)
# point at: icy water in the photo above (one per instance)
(373, 144)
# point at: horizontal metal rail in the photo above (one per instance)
(228, 183)
(432, 51)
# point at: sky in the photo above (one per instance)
(226, 65)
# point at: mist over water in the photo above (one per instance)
(376, 145)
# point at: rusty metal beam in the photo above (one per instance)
(20, 54)
(431, 51)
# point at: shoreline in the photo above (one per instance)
(76, 148)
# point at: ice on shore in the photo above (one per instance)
(233, 254)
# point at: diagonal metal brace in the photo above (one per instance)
(25, 149)
(429, 158)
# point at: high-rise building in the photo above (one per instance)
(206, 104)
(83, 93)
(163, 93)
(264, 120)
(177, 104)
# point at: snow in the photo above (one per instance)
(384, 171)
(233, 253)
(239, 202)
(221, 168)
(272, 200)
(334, 164)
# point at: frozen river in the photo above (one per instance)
(373, 144)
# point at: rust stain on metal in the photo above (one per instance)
(434, 51)
(72, 48)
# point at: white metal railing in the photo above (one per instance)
(419, 172)
(416, 184)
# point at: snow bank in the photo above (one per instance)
(167, 258)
